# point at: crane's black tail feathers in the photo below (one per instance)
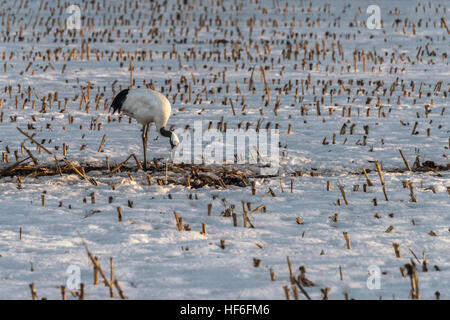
(119, 100)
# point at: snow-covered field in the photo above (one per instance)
(342, 95)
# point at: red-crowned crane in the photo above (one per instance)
(146, 106)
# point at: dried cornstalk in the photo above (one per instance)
(97, 265)
(119, 212)
(102, 143)
(272, 275)
(119, 289)
(203, 229)
(414, 280)
(33, 291)
(263, 72)
(396, 249)
(111, 276)
(261, 207)
(369, 183)
(404, 159)
(179, 223)
(34, 141)
(343, 194)
(291, 275)
(444, 23)
(209, 208)
(286, 291)
(63, 292)
(411, 192)
(379, 172)
(95, 273)
(302, 289)
(120, 165)
(325, 293)
(137, 162)
(82, 294)
(35, 160)
(347, 240)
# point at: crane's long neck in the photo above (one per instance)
(165, 133)
(171, 135)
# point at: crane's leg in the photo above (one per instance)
(144, 142)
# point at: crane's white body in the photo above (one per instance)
(147, 106)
